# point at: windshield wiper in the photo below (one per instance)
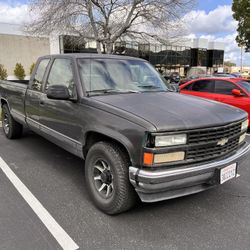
(107, 91)
(153, 87)
(128, 91)
(100, 90)
(148, 86)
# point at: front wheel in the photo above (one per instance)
(11, 128)
(106, 173)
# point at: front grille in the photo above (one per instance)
(203, 143)
(214, 134)
(211, 151)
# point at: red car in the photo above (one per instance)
(232, 91)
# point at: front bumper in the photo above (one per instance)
(157, 185)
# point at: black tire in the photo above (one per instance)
(122, 195)
(11, 128)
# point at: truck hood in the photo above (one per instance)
(169, 111)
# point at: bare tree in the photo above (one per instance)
(107, 21)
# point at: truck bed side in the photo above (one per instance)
(13, 94)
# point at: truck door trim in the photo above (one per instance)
(73, 146)
(45, 128)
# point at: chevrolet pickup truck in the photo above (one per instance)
(138, 138)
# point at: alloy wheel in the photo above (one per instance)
(6, 123)
(103, 179)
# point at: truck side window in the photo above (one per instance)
(61, 73)
(203, 86)
(38, 78)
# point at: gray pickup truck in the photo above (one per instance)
(138, 138)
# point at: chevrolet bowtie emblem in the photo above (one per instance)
(222, 142)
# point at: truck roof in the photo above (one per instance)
(93, 55)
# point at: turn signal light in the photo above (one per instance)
(148, 158)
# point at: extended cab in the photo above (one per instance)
(137, 137)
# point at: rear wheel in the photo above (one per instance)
(11, 128)
(106, 173)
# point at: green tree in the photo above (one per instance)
(31, 68)
(241, 13)
(3, 73)
(19, 71)
(229, 64)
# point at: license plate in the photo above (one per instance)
(227, 173)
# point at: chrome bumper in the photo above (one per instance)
(158, 185)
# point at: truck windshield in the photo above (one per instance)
(104, 76)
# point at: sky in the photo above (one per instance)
(211, 19)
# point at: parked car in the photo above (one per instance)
(232, 91)
(192, 77)
(223, 75)
(245, 75)
(173, 80)
(136, 136)
(237, 74)
(173, 77)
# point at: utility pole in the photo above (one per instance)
(241, 59)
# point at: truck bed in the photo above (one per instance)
(14, 92)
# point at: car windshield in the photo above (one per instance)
(245, 85)
(106, 76)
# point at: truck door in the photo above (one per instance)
(59, 118)
(34, 93)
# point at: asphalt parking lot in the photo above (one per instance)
(216, 219)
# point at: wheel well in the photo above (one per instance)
(94, 137)
(3, 102)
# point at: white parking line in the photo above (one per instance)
(55, 229)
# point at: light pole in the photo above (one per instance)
(241, 58)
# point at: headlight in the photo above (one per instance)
(244, 125)
(170, 140)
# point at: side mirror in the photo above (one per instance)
(58, 92)
(236, 92)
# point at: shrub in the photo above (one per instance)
(31, 68)
(3, 73)
(19, 71)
